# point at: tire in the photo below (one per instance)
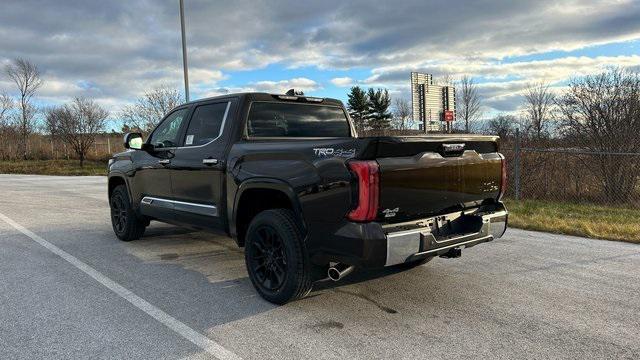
(126, 224)
(276, 257)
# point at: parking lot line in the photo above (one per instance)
(206, 344)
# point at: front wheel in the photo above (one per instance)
(276, 258)
(126, 224)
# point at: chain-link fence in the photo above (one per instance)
(546, 171)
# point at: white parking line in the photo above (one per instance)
(169, 321)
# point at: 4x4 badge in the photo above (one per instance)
(390, 212)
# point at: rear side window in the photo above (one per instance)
(296, 120)
(205, 124)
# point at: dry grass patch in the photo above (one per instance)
(593, 221)
(53, 167)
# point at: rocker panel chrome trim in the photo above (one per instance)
(200, 209)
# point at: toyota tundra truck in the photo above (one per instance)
(291, 181)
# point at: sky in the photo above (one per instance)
(114, 51)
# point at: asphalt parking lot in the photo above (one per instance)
(70, 289)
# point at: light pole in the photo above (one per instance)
(184, 53)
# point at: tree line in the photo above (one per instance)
(76, 123)
(369, 109)
(599, 112)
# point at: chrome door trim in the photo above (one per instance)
(199, 209)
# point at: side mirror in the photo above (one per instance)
(133, 141)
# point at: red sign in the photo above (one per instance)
(448, 115)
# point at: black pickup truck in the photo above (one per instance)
(288, 178)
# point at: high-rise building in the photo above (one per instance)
(432, 104)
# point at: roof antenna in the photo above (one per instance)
(294, 92)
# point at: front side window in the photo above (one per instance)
(166, 134)
(296, 120)
(205, 124)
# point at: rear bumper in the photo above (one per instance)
(409, 245)
(372, 245)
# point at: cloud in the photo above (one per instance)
(342, 81)
(124, 48)
(280, 87)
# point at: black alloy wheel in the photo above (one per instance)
(276, 257)
(125, 222)
(268, 260)
(118, 214)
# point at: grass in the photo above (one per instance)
(593, 221)
(53, 167)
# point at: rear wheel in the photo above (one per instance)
(276, 258)
(126, 224)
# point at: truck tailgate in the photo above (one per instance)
(431, 175)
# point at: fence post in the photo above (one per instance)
(516, 166)
(109, 146)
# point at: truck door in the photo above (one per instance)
(197, 169)
(153, 183)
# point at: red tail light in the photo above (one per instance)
(368, 190)
(503, 180)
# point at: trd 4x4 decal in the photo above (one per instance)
(331, 152)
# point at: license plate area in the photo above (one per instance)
(450, 229)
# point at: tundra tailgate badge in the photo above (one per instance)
(453, 148)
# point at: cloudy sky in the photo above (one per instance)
(115, 50)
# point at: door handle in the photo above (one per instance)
(210, 161)
(164, 161)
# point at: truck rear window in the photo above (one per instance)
(268, 119)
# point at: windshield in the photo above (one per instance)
(296, 120)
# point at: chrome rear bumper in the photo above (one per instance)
(408, 245)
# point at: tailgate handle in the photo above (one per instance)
(453, 148)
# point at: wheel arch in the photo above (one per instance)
(259, 194)
(114, 181)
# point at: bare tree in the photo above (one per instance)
(78, 124)
(52, 120)
(539, 102)
(446, 79)
(26, 77)
(401, 111)
(601, 113)
(6, 105)
(469, 106)
(502, 125)
(150, 108)
(6, 130)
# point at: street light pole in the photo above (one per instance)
(184, 53)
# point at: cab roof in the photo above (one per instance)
(262, 96)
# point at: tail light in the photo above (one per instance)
(368, 190)
(503, 179)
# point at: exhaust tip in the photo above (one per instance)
(333, 274)
(339, 271)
